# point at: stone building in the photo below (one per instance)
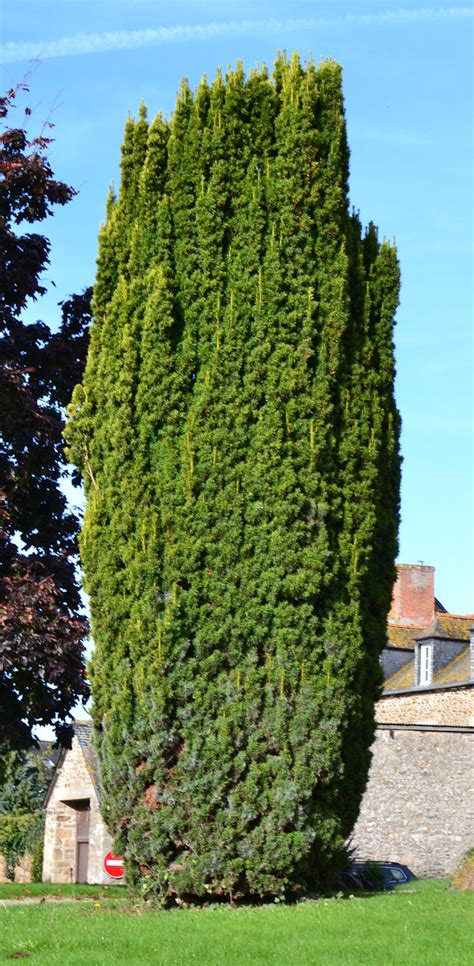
(418, 807)
(76, 839)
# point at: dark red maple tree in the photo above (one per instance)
(42, 626)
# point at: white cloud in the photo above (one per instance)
(98, 43)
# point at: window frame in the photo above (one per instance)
(425, 675)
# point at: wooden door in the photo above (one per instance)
(83, 811)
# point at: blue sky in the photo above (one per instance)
(408, 89)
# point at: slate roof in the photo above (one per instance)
(458, 671)
(403, 679)
(448, 627)
(443, 627)
(401, 636)
(83, 733)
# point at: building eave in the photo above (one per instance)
(429, 688)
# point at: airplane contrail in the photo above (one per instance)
(101, 43)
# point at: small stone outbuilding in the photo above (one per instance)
(76, 839)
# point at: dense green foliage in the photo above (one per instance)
(20, 834)
(24, 779)
(238, 437)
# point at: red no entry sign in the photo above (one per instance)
(113, 865)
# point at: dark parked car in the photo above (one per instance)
(372, 876)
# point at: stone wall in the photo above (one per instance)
(100, 842)
(447, 706)
(418, 807)
(22, 870)
(73, 783)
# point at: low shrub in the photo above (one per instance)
(19, 834)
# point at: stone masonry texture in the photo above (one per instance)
(449, 706)
(418, 807)
(73, 782)
(22, 870)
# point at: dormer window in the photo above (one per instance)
(426, 663)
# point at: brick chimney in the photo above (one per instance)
(413, 600)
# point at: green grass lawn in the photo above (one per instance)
(31, 890)
(428, 925)
(35, 890)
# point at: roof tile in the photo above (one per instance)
(83, 731)
(459, 669)
(403, 679)
(401, 636)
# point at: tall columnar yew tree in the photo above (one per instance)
(238, 437)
